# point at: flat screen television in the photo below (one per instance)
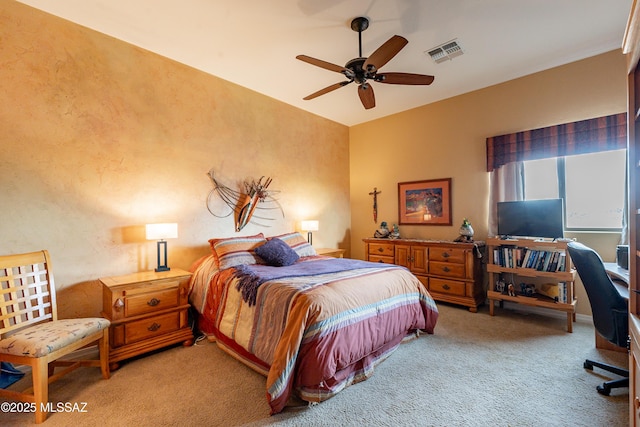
(542, 218)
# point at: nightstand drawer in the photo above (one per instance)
(150, 327)
(447, 255)
(447, 269)
(381, 249)
(450, 287)
(148, 302)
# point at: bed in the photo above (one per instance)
(311, 324)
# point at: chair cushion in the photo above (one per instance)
(44, 338)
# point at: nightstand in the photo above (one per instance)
(336, 253)
(147, 310)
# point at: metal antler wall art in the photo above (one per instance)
(244, 204)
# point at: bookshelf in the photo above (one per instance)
(521, 261)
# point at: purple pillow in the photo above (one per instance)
(277, 253)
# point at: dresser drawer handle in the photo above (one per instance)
(446, 287)
(117, 306)
(380, 249)
(446, 255)
(446, 269)
(154, 327)
(153, 302)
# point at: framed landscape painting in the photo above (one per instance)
(425, 202)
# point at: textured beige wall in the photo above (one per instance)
(100, 137)
(447, 139)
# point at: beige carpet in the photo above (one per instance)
(514, 369)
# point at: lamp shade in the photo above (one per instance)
(167, 230)
(309, 225)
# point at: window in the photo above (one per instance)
(592, 186)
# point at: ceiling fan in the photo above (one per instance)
(362, 70)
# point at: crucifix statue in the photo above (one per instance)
(375, 193)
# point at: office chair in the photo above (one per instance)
(609, 308)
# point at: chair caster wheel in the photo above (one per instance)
(605, 391)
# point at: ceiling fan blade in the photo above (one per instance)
(326, 65)
(365, 91)
(327, 89)
(404, 78)
(384, 53)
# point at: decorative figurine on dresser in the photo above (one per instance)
(382, 232)
(395, 234)
(451, 271)
(466, 232)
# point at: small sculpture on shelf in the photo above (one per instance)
(527, 289)
(466, 232)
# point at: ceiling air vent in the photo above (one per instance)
(444, 52)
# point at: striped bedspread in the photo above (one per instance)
(315, 334)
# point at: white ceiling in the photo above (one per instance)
(254, 42)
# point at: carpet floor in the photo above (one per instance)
(514, 369)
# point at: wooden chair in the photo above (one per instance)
(31, 334)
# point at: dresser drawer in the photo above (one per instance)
(151, 327)
(141, 301)
(451, 287)
(378, 258)
(447, 255)
(447, 269)
(381, 249)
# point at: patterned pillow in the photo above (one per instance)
(233, 251)
(277, 253)
(297, 243)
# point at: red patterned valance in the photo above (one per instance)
(585, 136)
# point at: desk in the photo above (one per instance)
(620, 278)
(617, 273)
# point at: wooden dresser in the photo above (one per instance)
(451, 271)
(147, 310)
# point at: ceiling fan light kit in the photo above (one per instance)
(363, 70)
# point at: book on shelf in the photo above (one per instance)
(556, 291)
(562, 292)
(536, 259)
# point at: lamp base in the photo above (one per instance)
(162, 261)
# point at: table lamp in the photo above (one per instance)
(160, 232)
(309, 226)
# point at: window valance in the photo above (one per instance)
(585, 136)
